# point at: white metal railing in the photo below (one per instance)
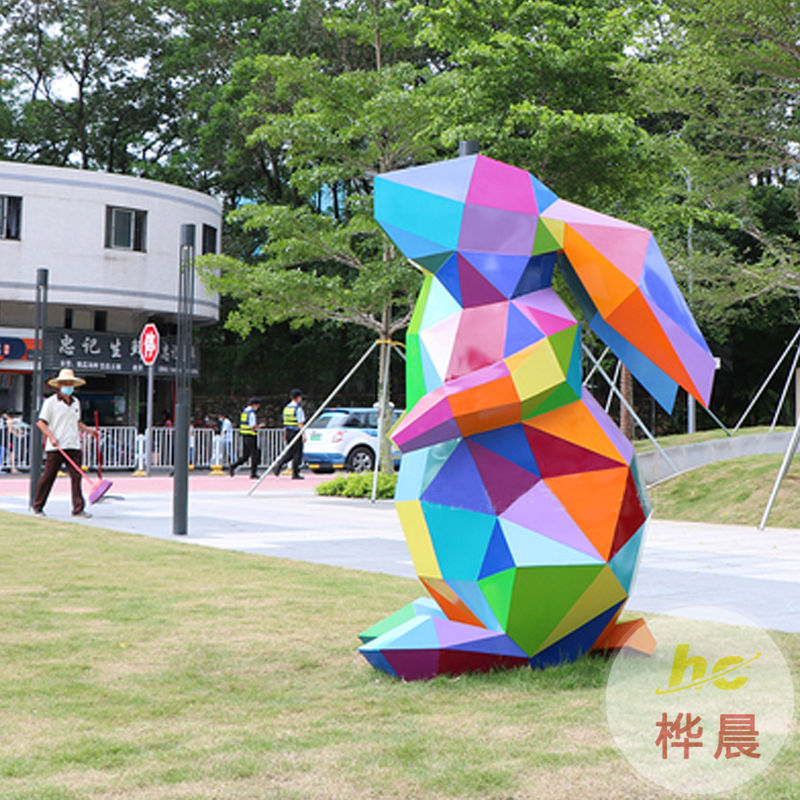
(123, 447)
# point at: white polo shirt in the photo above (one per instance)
(62, 419)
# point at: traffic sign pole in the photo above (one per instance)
(149, 440)
(149, 346)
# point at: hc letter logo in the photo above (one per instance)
(689, 672)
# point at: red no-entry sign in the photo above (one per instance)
(149, 344)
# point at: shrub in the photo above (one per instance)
(359, 484)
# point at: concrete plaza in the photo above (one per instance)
(732, 567)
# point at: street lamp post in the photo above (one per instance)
(38, 376)
(180, 486)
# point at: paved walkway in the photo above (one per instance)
(733, 567)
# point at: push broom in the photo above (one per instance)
(99, 488)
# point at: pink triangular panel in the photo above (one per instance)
(480, 340)
(547, 301)
(624, 249)
(501, 186)
(572, 213)
(541, 511)
(478, 378)
(439, 340)
(504, 481)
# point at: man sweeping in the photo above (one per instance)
(60, 424)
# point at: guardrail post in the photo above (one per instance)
(216, 459)
(140, 456)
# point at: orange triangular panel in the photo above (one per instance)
(574, 423)
(605, 284)
(635, 321)
(452, 605)
(625, 248)
(593, 500)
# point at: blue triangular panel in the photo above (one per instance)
(544, 196)
(460, 538)
(520, 331)
(659, 284)
(449, 277)
(511, 443)
(412, 246)
(576, 644)
(624, 563)
(502, 271)
(498, 556)
(447, 178)
(470, 592)
(538, 274)
(459, 484)
(530, 549)
(377, 660)
(430, 376)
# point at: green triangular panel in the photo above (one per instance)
(415, 379)
(433, 263)
(563, 344)
(544, 241)
(562, 395)
(531, 405)
(498, 590)
(540, 599)
(419, 309)
(392, 621)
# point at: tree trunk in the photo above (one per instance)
(385, 411)
(626, 390)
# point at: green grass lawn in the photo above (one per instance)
(734, 491)
(135, 669)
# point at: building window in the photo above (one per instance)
(209, 240)
(10, 216)
(101, 321)
(68, 318)
(126, 228)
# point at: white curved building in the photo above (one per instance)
(111, 245)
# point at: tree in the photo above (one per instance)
(81, 81)
(323, 257)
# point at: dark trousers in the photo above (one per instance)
(295, 455)
(52, 463)
(249, 451)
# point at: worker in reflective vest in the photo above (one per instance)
(293, 420)
(248, 432)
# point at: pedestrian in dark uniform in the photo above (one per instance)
(248, 431)
(293, 420)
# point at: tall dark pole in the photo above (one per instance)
(38, 377)
(180, 485)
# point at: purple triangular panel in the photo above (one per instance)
(505, 482)
(546, 310)
(491, 230)
(498, 556)
(475, 289)
(541, 511)
(500, 185)
(520, 331)
(501, 271)
(447, 178)
(452, 633)
(458, 484)
(413, 665)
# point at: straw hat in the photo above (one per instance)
(66, 375)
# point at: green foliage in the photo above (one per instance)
(359, 484)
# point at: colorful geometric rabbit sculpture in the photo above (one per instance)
(519, 497)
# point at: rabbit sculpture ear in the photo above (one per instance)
(631, 301)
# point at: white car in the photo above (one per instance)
(344, 438)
